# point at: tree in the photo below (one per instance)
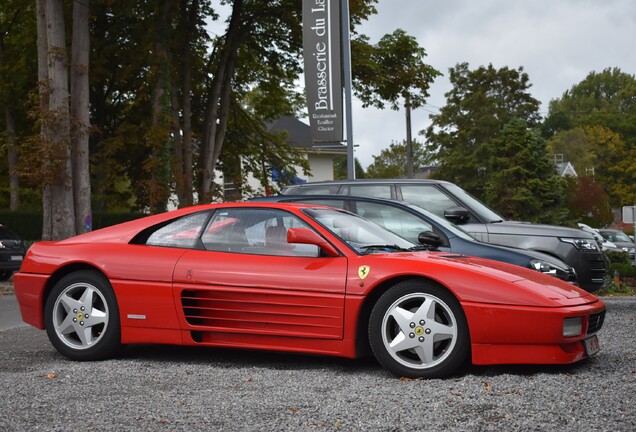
(481, 102)
(394, 72)
(588, 202)
(600, 112)
(59, 223)
(340, 169)
(159, 85)
(520, 180)
(18, 68)
(80, 117)
(392, 162)
(576, 148)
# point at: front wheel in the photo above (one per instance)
(418, 329)
(82, 318)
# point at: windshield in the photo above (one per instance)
(360, 234)
(616, 236)
(440, 221)
(473, 204)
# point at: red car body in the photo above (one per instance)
(308, 304)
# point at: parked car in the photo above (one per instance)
(575, 247)
(12, 252)
(420, 226)
(299, 278)
(619, 239)
(606, 245)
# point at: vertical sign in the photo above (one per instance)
(323, 72)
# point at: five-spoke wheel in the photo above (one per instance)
(418, 329)
(82, 318)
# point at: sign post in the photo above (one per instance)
(323, 72)
(629, 216)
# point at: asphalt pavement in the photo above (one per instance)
(9, 313)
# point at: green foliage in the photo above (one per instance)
(392, 71)
(618, 257)
(462, 137)
(340, 169)
(391, 162)
(520, 181)
(28, 224)
(483, 140)
(594, 125)
(261, 151)
(623, 269)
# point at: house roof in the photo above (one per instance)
(566, 169)
(299, 135)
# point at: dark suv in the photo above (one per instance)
(573, 246)
(12, 252)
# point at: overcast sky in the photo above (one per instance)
(558, 43)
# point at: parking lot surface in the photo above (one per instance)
(168, 388)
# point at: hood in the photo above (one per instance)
(482, 280)
(525, 228)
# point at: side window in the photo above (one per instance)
(318, 190)
(427, 197)
(374, 191)
(255, 231)
(396, 220)
(331, 203)
(181, 233)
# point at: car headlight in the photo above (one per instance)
(572, 326)
(581, 244)
(543, 267)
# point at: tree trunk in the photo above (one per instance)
(219, 101)
(80, 116)
(58, 124)
(14, 183)
(43, 93)
(189, 18)
(12, 161)
(159, 137)
(409, 140)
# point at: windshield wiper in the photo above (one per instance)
(420, 248)
(368, 248)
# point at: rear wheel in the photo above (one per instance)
(5, 275)
(82, 318)
(418, 329)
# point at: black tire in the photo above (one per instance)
(82, 317)
(418, 329)
(5, 275)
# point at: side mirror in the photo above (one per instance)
(429, 238)
(457, 215)
(307, 236)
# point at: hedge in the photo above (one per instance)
(28, 225)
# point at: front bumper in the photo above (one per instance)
(504, 334)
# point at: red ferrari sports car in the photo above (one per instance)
(299, 278)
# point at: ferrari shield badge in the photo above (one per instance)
(363, 271)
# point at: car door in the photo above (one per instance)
(247, 280)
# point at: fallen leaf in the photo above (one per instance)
(51, 375)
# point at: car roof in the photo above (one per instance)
(395, 203)
(372, 181)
